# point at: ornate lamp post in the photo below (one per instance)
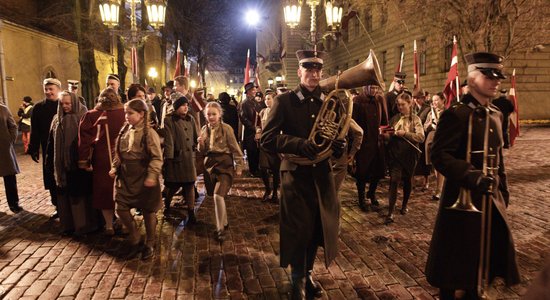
(109, 10)
(292, 11)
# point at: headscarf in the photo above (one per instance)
(64, 130)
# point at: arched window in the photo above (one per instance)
(50, 73)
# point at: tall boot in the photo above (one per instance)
(276, 183)
(361, 195)
(313, 290)
(265, 178)
(373, 184)
(298, 290)
(168, 200)
(392, 199)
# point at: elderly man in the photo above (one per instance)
(309, 207)
(454, 256)
(113, 81)
(248, 114)
(41, 120)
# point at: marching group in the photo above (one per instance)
(99, 164)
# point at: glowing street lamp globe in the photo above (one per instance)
(292, 12)
(156, 12)
(109, 11)
(333, 14)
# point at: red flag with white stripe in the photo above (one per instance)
(257, 77)
(177, 72)
(514, 116)
(247, 68)
(415, 68)
(451, 85)
(135, 66)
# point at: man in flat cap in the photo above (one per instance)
(41, 120)
(73, 86)
(391, 96)
(309, 209)
(113, 81)
(248, 115)
(454, 255)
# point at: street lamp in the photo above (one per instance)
(292, 11)
(109, 11)
(153, 74)
(270, 82)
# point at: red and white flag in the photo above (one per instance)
(400, 64)
(177, 72)
(257, 77)
(135, 66)
(247, 68)
(186, 65)
(514, 116)
(451, 85)
(415, 68)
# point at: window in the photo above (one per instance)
(356, 29)
(368, 20)
(447, 58)
(422, 49)
(383, 66)
(50, 73)
(383, 14)
(345, 33)
(337, 42)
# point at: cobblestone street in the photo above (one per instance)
(375, 262)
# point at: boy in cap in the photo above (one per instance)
(41, 120)
(309, 208)
(454, 255)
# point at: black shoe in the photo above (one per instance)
(313, 290)
(147, 252)
(298, 290)
(374, 201)
(436, 197)
(138, 212)
(220, 235)
(404, 210)
(16, 209)
(275, 198)
(389, 220)
(166, 212)
(266, 197)
(54, 216)
(363, 206)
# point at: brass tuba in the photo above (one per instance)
(334, 117)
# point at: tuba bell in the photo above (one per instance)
(334, 117)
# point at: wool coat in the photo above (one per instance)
(309, 203)
(454, 250)
(8, 134)
(180, 144)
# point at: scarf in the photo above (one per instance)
(64, 130)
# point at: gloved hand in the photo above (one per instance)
(35, 157)
(485, 184)
(309, 150)
(338, 147)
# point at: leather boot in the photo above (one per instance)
(313, 290)
(361, 197)
(298, 290)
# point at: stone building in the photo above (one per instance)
(375, 29)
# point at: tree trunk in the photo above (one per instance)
(88, 70)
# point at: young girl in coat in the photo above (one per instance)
(403, 152)
(269, 162)
(137, 165)
(180, 143)
(218, 141)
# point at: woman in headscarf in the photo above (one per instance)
(72, 183)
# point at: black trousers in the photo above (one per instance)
(10, 184)
(252, 153)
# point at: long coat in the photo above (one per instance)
(93, 149)
(454, 251)
(369, 113)
(307, 192)
(8, 134)
(41, 119)
(180, 143)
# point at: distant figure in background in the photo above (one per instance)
(155, 101)
(41, 120)
(73, 88)
(25, 113)
(421, 108)
(230, 114)
(506, 108)
(113, 81)
(8, 159)
(248, 114)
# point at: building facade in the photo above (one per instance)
(374, 28)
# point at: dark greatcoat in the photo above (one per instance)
(41, 120)
(307, 192)
(180, 143)
(454, 251)
(391, 103)
(8, 135)
(96, 152)
(369, 114)
(422, 169)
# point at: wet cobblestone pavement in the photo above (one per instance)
(375, 261)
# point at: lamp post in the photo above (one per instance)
(109, 10)
(293, 9)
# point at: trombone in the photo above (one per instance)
(464, 201)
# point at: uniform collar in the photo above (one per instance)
(472, 102)
(304, 93)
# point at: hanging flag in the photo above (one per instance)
(186, 65)
(177, 72)
(257, 78)
(247, 68)
(415, 67)
(398, 68)
(452, 83)
(135, 70)
(514, 116)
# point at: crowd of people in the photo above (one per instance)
(134, 151)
